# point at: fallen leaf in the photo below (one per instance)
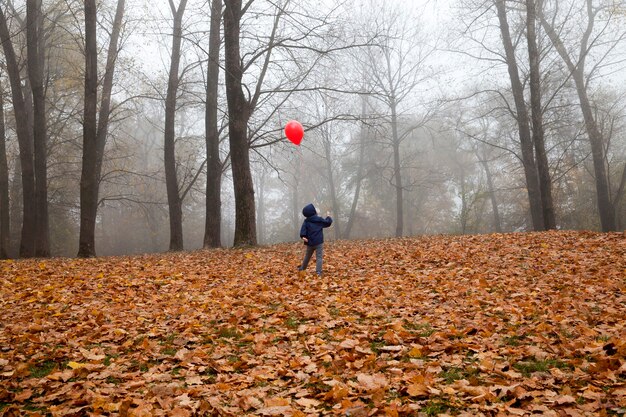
(371, 382)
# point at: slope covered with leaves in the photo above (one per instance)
(514, 324)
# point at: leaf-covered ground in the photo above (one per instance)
(516, 324)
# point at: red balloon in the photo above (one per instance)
(294, 131)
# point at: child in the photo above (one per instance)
(313, 236)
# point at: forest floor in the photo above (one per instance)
(513, 324)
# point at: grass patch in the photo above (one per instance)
(376, 345)
(229, 333)
(42, 369)
(32, 407)
(437, 406)
(211, 375)
(135, 365)
(169, 351)
(422, 329)
(514, 340)
(529, 367)
(113, 380)
(107, 359)
(317, 386)
(243, 343)
(292, 322)
(454, 374)
(233, 359)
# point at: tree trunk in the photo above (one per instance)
(465, 209)
(606, 208)
(27, 243)
(16, 205)
(169, 149)
(107, 87)
(93, 171)
(35, 53)
(619, 194)
(260, 221)
(543, 168)
(88, 178)
(497, 223)
(333, 191)
(397, 174)
(239, 111)
(5, 218)
(528, 158)
(213, 222)
(359, 174)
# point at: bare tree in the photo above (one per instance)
(576, 66)
(89, 178)
(528, 158)
(397, 64)
(327, 107)
(95, 126)
(27, 242)
(360, 167)
(104, 115)
(543, 168)
(239, 111)
(294, 45)
(483, 159)
(169, 149)
(212, 231)
(5, 218)
(35, 53)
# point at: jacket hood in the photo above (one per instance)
(309, 210)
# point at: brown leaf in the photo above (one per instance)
(23, 396)
(417, 390)
(307, 402)
(565, 399)
(372, 382)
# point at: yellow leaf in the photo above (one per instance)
(416, 352)
(76, 365)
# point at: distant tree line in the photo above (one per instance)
(142, 127)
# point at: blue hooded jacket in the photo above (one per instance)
(313, 225)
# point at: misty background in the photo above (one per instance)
(420, 117)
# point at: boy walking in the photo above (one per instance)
(312, 234)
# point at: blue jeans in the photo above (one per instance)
(319, 256)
